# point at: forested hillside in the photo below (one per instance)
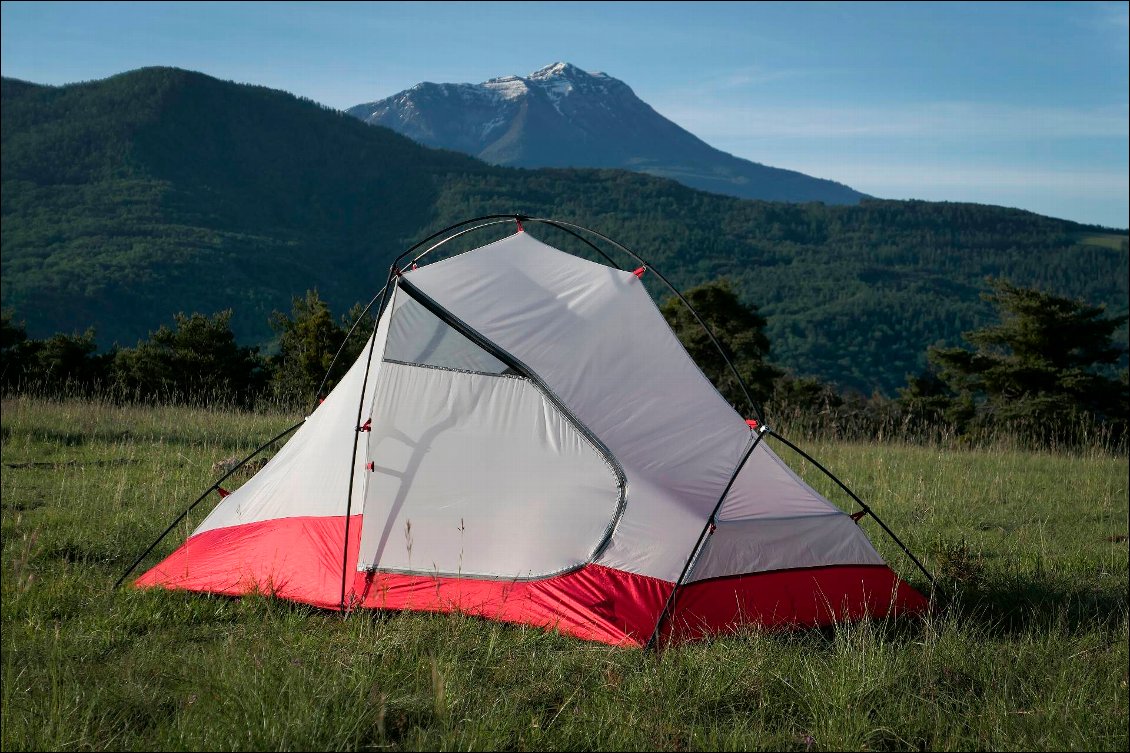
(160, 190)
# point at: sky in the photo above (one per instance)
(1020, 104)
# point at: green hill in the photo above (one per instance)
(128, 199)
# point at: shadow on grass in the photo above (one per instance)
(1023, 604)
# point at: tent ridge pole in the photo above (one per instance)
(582, 239)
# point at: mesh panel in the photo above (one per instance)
(417, 336)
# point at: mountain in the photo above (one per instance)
(126, 200)
(562, 116)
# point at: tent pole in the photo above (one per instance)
(586, 241)
(862, 504)
(396, 262)
(317, 395)
(452, 237)
(707, 530)
(357, 436)
(201, 498)
(341, 348)
(570, 227)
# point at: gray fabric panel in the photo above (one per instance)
(479, 475)
(764, 544)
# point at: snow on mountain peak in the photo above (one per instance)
(507, 87)
(559, 69)
(559, 80)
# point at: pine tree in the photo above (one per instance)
(308, 339)
(1048, 361)
(197, 359)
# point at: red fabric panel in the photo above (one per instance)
(292, 558)
(804, 597)
(595, 603)
(300, 559)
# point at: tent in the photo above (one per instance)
(525, 439)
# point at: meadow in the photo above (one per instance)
(1027, 648)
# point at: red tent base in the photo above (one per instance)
(300, 559)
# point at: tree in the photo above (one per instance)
(199, 359)
(13, 350)
(740, 330)
(1041, 365)
(308, 340)
(61, 364)
(355, 345)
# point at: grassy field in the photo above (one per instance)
(1105, 240)
(1027, 650)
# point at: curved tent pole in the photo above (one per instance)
(570, 228)
(709, 333)
(285, 432)
(668, 607)
(341, 348)
(429, 249)
(396, 262)
(393, 273)
(201, 498)
(491, 219)
(578, 236)
(866, 509)
(707, 531)
(361, 316)
(357, 437)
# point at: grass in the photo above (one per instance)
(1027, 650)
(1105, 240)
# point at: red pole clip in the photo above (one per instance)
(639, 272)
(371, 466)
(752, 422)
(367, 426)
(857, 516)
(223, 492)
(519, 221)
(414, 265)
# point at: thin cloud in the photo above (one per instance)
(910, 176)
(929, 120)
(1113, 15)
(1091, 196)
(751, 76)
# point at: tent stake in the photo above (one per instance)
(201, 498)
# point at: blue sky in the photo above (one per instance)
(1018, 104)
